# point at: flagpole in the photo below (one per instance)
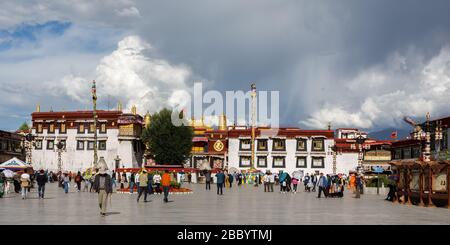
(94, 102)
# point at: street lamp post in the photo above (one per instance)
(94, 102)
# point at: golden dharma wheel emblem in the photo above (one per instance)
(218, 146)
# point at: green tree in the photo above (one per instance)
(167, 143)
(24, 127)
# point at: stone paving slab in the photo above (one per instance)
(240, 205)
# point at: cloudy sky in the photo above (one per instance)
(353, 63)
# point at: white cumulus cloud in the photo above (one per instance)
(405, 85)
(131, 75)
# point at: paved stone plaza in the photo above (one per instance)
(242, 205)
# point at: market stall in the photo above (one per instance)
(17, 165)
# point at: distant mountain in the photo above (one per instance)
(385, 134)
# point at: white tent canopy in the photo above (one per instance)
(14, 163)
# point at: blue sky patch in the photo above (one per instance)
(31, 33)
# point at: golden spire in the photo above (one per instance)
(222, 122)
(193, 121)
(203, 121)
(119, 106)
(134, 110)
(147, 119)
(38, 108)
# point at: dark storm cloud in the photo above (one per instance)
(303, 48)
(331, 60)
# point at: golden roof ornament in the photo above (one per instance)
(147, 119)
(134, 110)
(222, 122)
(38, 108)
(119, 106)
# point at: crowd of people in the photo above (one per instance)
(103, 182)
(330, 185)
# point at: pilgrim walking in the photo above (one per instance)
(103, 186)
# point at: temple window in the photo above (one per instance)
(80, 145)
(262, 162)
(262, 145)
(245, 145)
(81, 128)
(301, 162)
(38, 145)
(102, 145)
(91, 128)
(90, 145)
(279, 162)
(301, 144)
(51, 128)
(318, 162)
(244, 161)
(279, 145)
(318, 145)
(103, 128)
(62, 128)
(39, 128)
(50, 144)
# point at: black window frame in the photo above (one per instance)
(306, 144)
(78, 145)
(60, 128)
(79, 128)
(100, 143)
(262, 149)
(100, 131)
(89, 128)
(48, 128)
(48, 144)
(64, 142)
(305, 161)
(415, 149)
(90, 148)
(323, 162)
(406, 154)
(36, 145)
(323, 145)
(39, 128)
(240, 145)
(398, 153)
(284, 162)
(257, 162)
(240, 161)
(273, 144)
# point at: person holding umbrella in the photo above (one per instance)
(25, 183)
